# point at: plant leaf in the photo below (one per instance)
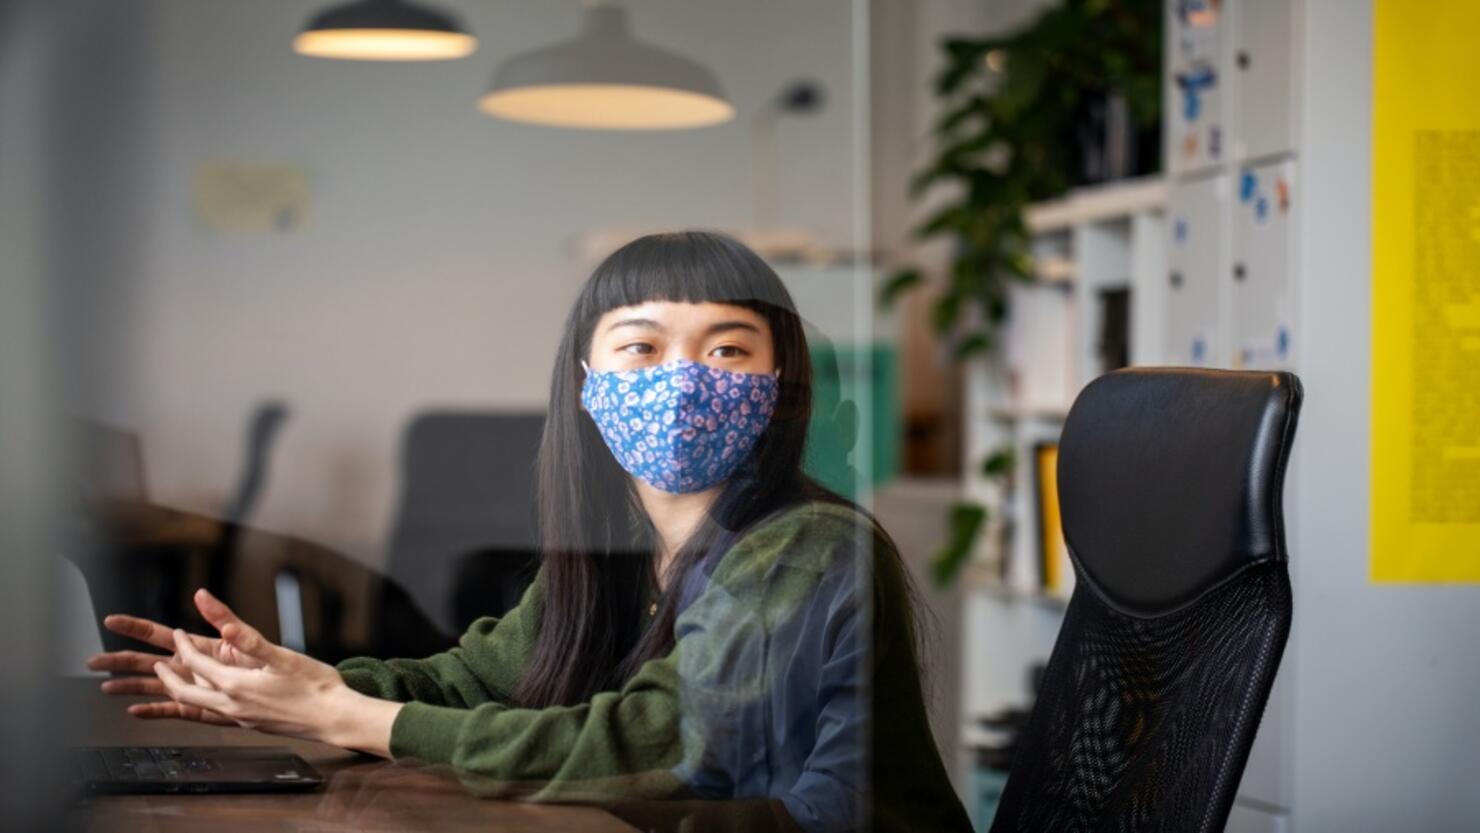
(998, 464)
(965, 523)
(945, 311)
(898, 284)
(978, 342)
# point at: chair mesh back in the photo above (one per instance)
(1144, 724)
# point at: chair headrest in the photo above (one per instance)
(1171, 480)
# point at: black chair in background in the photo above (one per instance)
(263, 429)
(463, 544)
(1170, 484)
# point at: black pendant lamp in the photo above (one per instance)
(384, 30)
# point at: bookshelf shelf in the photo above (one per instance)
(1097, 204)
(999, 591)
(1040, 413)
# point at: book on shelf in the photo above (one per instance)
(1055, 571)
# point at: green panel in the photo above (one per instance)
(854, 385)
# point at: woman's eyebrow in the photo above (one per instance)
(726, 326)
(635, 322)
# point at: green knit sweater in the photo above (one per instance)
(765, 694)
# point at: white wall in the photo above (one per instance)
(437, 265)
(1387, 728)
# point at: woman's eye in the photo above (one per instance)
(728, 351)
(637, 348)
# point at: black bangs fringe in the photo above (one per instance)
(687, 267)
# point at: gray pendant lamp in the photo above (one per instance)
(605, 78)
(384, 30)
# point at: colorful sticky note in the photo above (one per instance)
(1247, 184)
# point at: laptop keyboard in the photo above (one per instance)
(153, 763)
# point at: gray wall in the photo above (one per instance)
(29, 769)
(1387, 695)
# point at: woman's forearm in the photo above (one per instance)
(362, 723)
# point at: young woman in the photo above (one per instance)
(707, 622)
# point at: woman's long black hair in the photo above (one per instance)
(597, 543)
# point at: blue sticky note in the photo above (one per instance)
(1282, 341)
(1192, 84)
(1261, 208)
(1179, 230)
(1198, 349)
(1247, 184)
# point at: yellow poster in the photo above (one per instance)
(1426, 292)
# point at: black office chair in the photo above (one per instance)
(1170, 484)
(463, 544)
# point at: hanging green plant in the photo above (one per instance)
(1019, 112)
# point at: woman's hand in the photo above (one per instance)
(142, 663)
(274, 689)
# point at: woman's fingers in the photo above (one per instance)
(220, 616)
(249, 641)
(208, 672)
(190, 694)
(151, 632)
(213, 609)
(148, 686)
(226, 653)
(132, 662)
(141, 629)
(167, 709)
(156, 711)
(216, 612)
(128, 662)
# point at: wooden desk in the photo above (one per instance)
(140, 523)
(362, 793)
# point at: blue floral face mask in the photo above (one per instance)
(680, 426)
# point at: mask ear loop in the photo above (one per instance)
(580, 399)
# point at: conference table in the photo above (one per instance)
(361, 794)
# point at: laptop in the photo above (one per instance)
(192, 769)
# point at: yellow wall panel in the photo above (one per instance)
(1425, 441)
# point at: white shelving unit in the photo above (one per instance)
(1094, 239)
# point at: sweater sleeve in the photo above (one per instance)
(619, 745)
(484, 667)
